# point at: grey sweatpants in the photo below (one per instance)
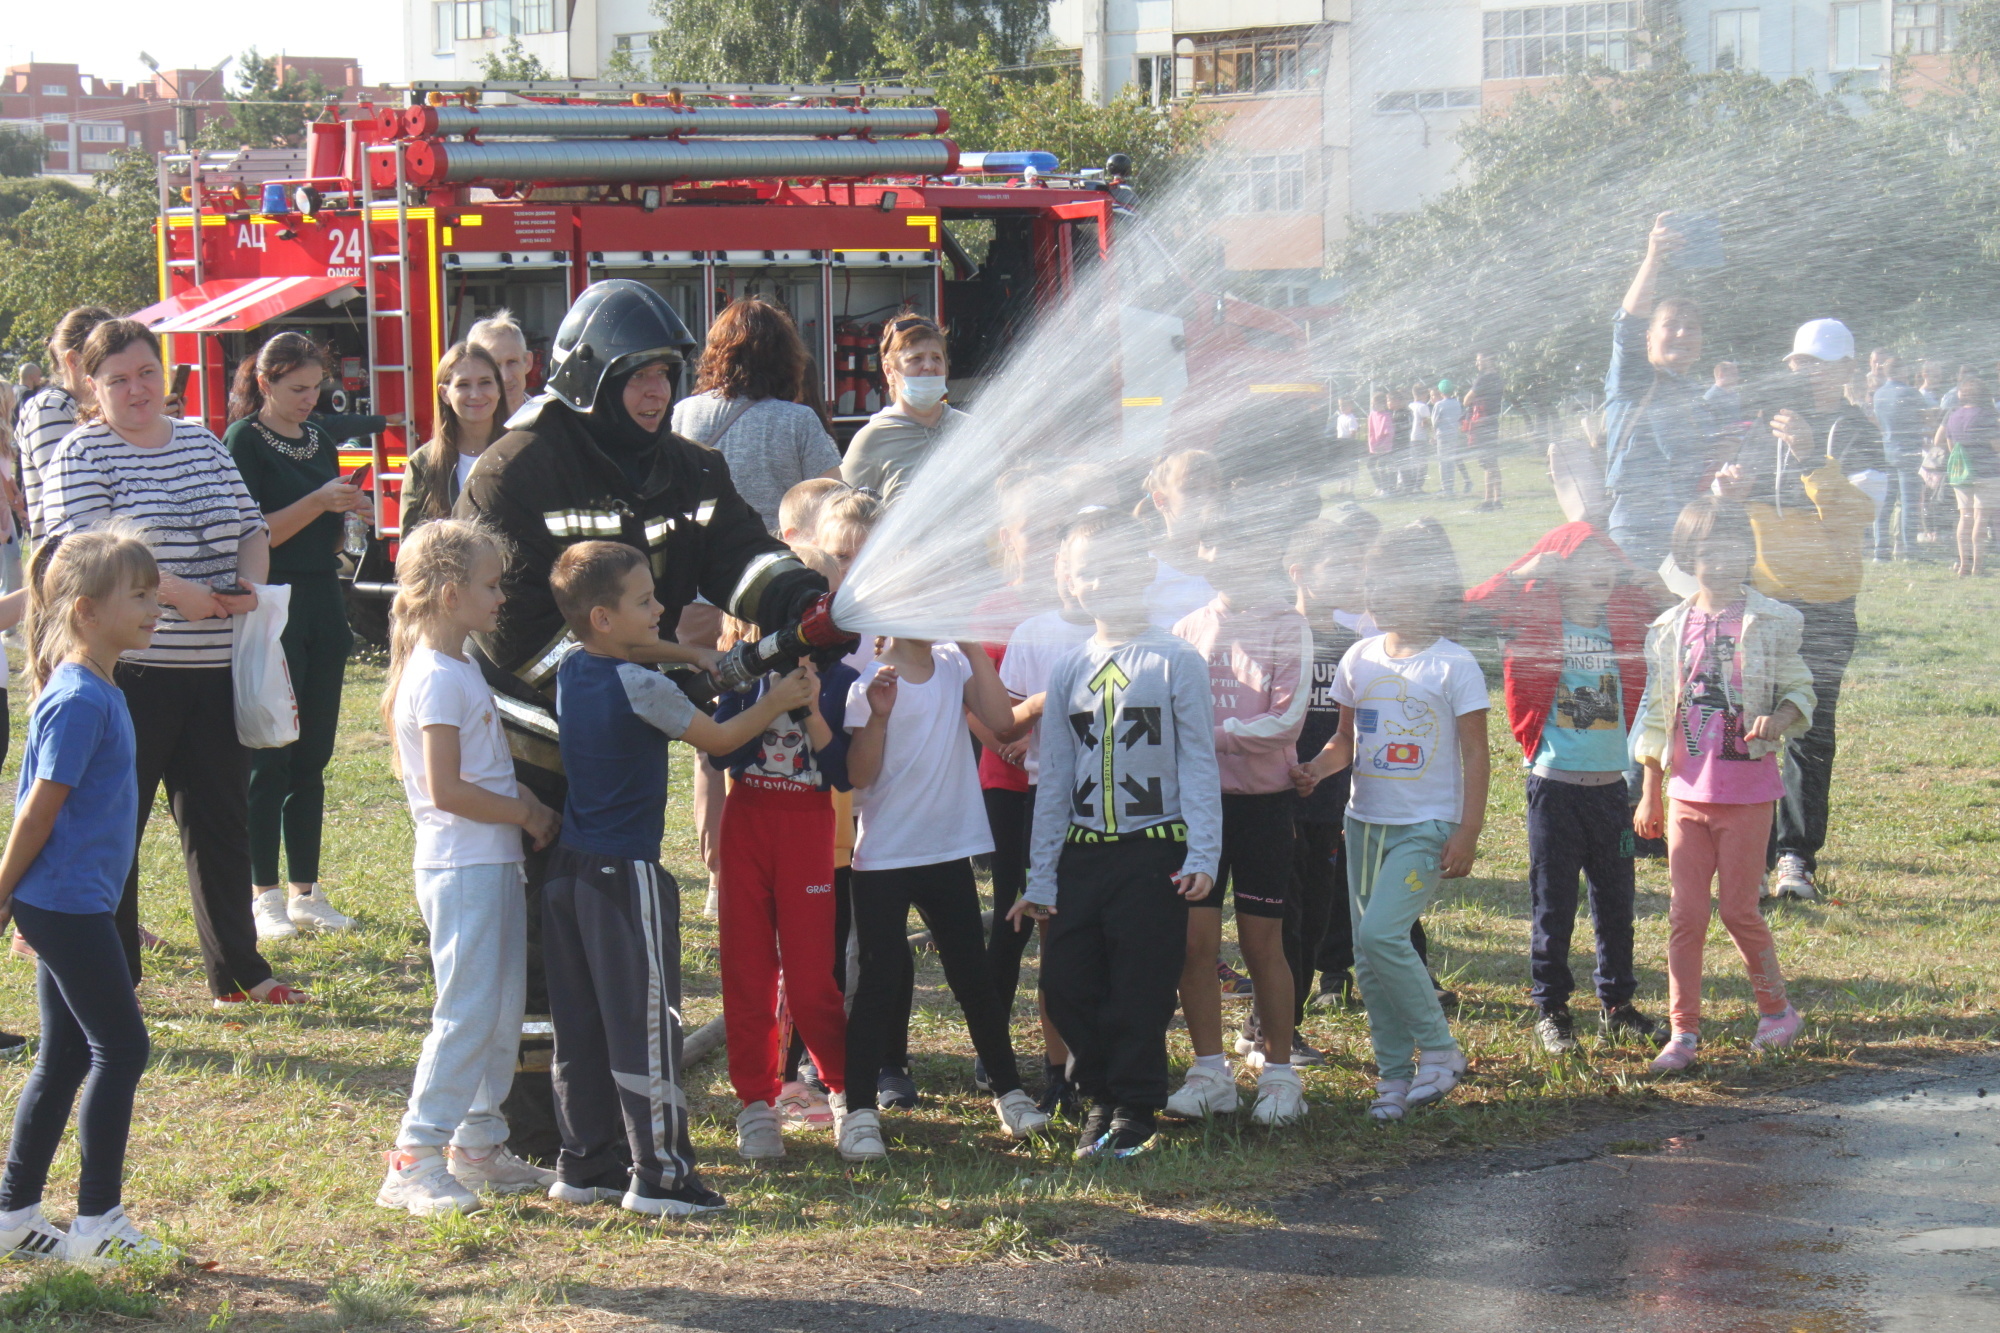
(611, 945)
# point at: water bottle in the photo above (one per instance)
(355, 532)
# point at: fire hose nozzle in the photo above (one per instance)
(813, 632)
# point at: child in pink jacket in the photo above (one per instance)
(1259, 651)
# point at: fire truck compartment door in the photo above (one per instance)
(484, 260)
(1152, 364)
(231, 305)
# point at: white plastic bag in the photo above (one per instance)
(267, 713)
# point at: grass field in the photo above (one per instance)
(258, 1136)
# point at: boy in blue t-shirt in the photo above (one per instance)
(610, 914)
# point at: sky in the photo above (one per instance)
(110, 36)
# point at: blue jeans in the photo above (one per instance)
(93, 1038)
(1392, 875)
(1905, 502)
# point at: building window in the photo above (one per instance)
(101, 133)
(1733, 40)
(442, 29)
(505, 18)
(1239, 63)
(1534, 43)
(97, 161)
(1428, 99)
(1155, 78)
(1922, 29)
(55, 90)
(1853, 36)
(1266, 183)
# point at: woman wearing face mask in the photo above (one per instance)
(896, 440)
(290, 464)
(470, 394)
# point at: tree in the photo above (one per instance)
(1047, 110)
(22, 153)
(74, 248)
(513, 64)
(768, 41)
(1883, 219)
(265, 111)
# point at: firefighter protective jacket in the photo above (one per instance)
(545, 486)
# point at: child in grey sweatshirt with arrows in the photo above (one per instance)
(1127, 832)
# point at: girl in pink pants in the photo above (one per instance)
(1727, 686)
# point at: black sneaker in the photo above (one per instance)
(686, 1200)
(1096, 1128)
(1059, 1095)
(1131, 1134)
(12, 1044)
(895, 1090)
(1447, 999)
(1305, 1053)
(1337, 992)
(607, 1188)
(1555, 1030)
(979, 1079)
(1626, 1018)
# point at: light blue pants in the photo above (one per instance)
(478, 919)
(1392, 875)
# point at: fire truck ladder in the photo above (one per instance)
(397, 319)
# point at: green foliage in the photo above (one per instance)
(75, 247)
(771, 41)
(369, 1301)
(264, 111)
(513, 64)
(19, 193)
(1884, 219)
(21, 153)
(1047, 111)
(61, 1292)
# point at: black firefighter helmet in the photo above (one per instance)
(615, 327)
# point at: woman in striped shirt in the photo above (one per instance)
(48, 414)
(177, 483)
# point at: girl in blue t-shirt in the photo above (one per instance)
(93, 595)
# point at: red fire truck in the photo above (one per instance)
(395, 228)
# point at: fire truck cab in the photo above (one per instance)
(396, 228)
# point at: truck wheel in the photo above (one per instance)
(368, 617)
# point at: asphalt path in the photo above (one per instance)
(1869, 1202)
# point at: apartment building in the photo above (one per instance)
(574, 39)
(85, 119)
(1343, 109)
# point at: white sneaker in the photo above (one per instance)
(1280, 1098)
(1019, 1115)
(424, 1188)
(33, 1237)
(1794, 880)
(268, 909)
(1204, 1093)
(1438, 1072)
(1391, 1096)
(861, 1137)
(760, 1135)
(497, 1171)
(311, 911)
(102, 1242)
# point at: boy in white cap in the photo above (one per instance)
(1812, 527)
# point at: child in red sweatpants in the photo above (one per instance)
(776, 912)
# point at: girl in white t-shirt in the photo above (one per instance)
(470, 814)
(920, 821)
(1413, 724)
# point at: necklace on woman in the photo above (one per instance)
(297, 450)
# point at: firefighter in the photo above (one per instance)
(591, 458)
